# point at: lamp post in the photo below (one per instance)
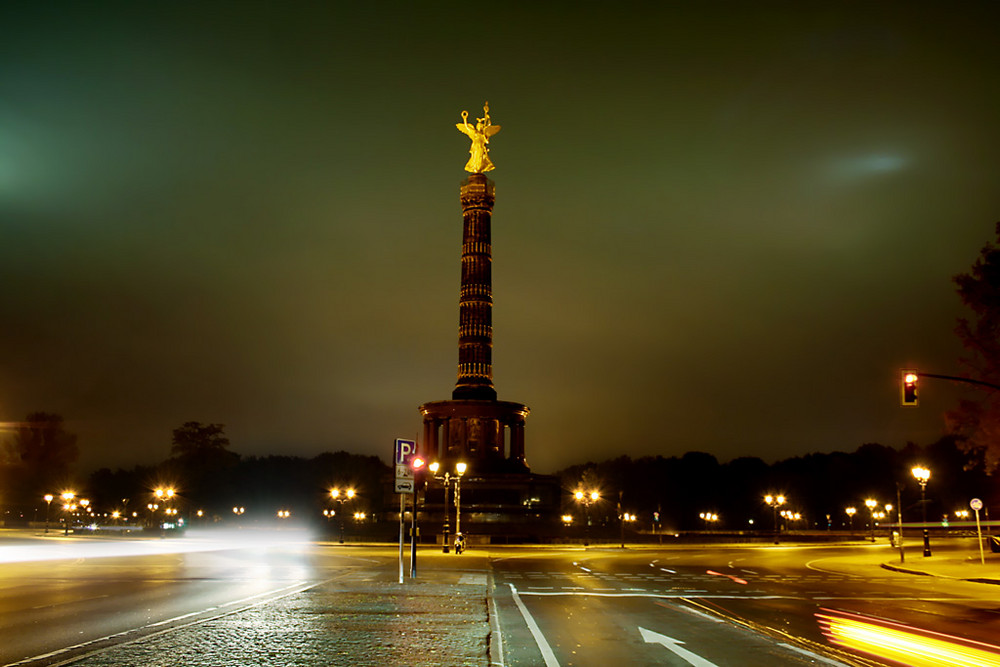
(48, 497)
(341, 498)
(922, 474)
(871, 504)
(460, 469)
(447, 479)
(775, 502)
(851, 511)
(587, 499)
(67, 497)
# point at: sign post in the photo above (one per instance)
(977, 504)
(403, 452)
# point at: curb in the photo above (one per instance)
(905, 570)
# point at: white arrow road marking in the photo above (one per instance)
(674, 645)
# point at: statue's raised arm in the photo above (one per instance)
(479, 158)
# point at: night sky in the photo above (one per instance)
(718, 227)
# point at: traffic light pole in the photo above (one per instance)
(957, 378)
(413, 536)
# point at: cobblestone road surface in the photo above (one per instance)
(370, 623)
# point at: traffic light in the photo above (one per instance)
(908, 388)
(418, 465)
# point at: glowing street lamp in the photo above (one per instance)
(48, 497)
(775, 502)
(588, 499)
(67, 497)
(851, 511)
(871, 504)
(460, 469)
(341, 498)
(922, 475)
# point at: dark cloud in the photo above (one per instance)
(718, 228)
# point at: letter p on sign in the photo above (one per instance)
(405, 450)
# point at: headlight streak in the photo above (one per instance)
(904, 644)
(260, 541)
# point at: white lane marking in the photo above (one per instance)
(543, 645)
(472, 580)
(814, 656)
(496, 656)
(674, 646)
(665, 596)
(663, 569)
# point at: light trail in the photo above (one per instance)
(904, 644)
(75, 547)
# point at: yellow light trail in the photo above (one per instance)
(909, 646)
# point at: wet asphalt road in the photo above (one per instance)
(283, 600)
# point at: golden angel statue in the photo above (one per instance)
(479, 154)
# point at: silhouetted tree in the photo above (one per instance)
(41, 456)
(201, 460)
(977, 418)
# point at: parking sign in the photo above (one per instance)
(405, 450)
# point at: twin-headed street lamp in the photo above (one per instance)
(447, 478)
(341, 497)
(775, 502)
(850, 512)
(871, 504)
(922, 474)
(587, 498)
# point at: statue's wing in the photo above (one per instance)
(465, 129)
(491, 130)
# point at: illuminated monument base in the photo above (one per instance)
(500, 497)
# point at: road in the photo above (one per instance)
(718, 606)
(703, 606)
(63, 597)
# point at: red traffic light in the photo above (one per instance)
(908, 388)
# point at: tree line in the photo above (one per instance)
(820, 487)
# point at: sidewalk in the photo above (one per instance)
(440, 618)
(963, 565)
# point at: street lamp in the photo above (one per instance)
(922, 474)
(460, 469)
(851, 511)
(67, 497)
(587, 499)
(447, 479)
(48, 497)
(871, 504)
(341, 498)
(775, 502)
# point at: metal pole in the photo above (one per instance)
(458, 506)
(899, 515)
(923, 504)
(775, 508)
(413, 536)
(979, 534)
(402, 509)
(621, 518)
(447, 528)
